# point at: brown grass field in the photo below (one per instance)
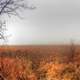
(47, 62)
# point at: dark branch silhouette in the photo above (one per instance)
(2, 30)
(11, 7)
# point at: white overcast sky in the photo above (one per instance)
(53, 21)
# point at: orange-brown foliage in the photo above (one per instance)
(40, 63)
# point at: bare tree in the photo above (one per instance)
(11, 7)
(2, 29)
(72, 51)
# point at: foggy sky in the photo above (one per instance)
(53, 21)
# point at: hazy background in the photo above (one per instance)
(52, 22)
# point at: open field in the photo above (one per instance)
(55, 62)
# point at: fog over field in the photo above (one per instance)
(52, 22)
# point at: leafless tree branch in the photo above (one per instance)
(11, 7)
